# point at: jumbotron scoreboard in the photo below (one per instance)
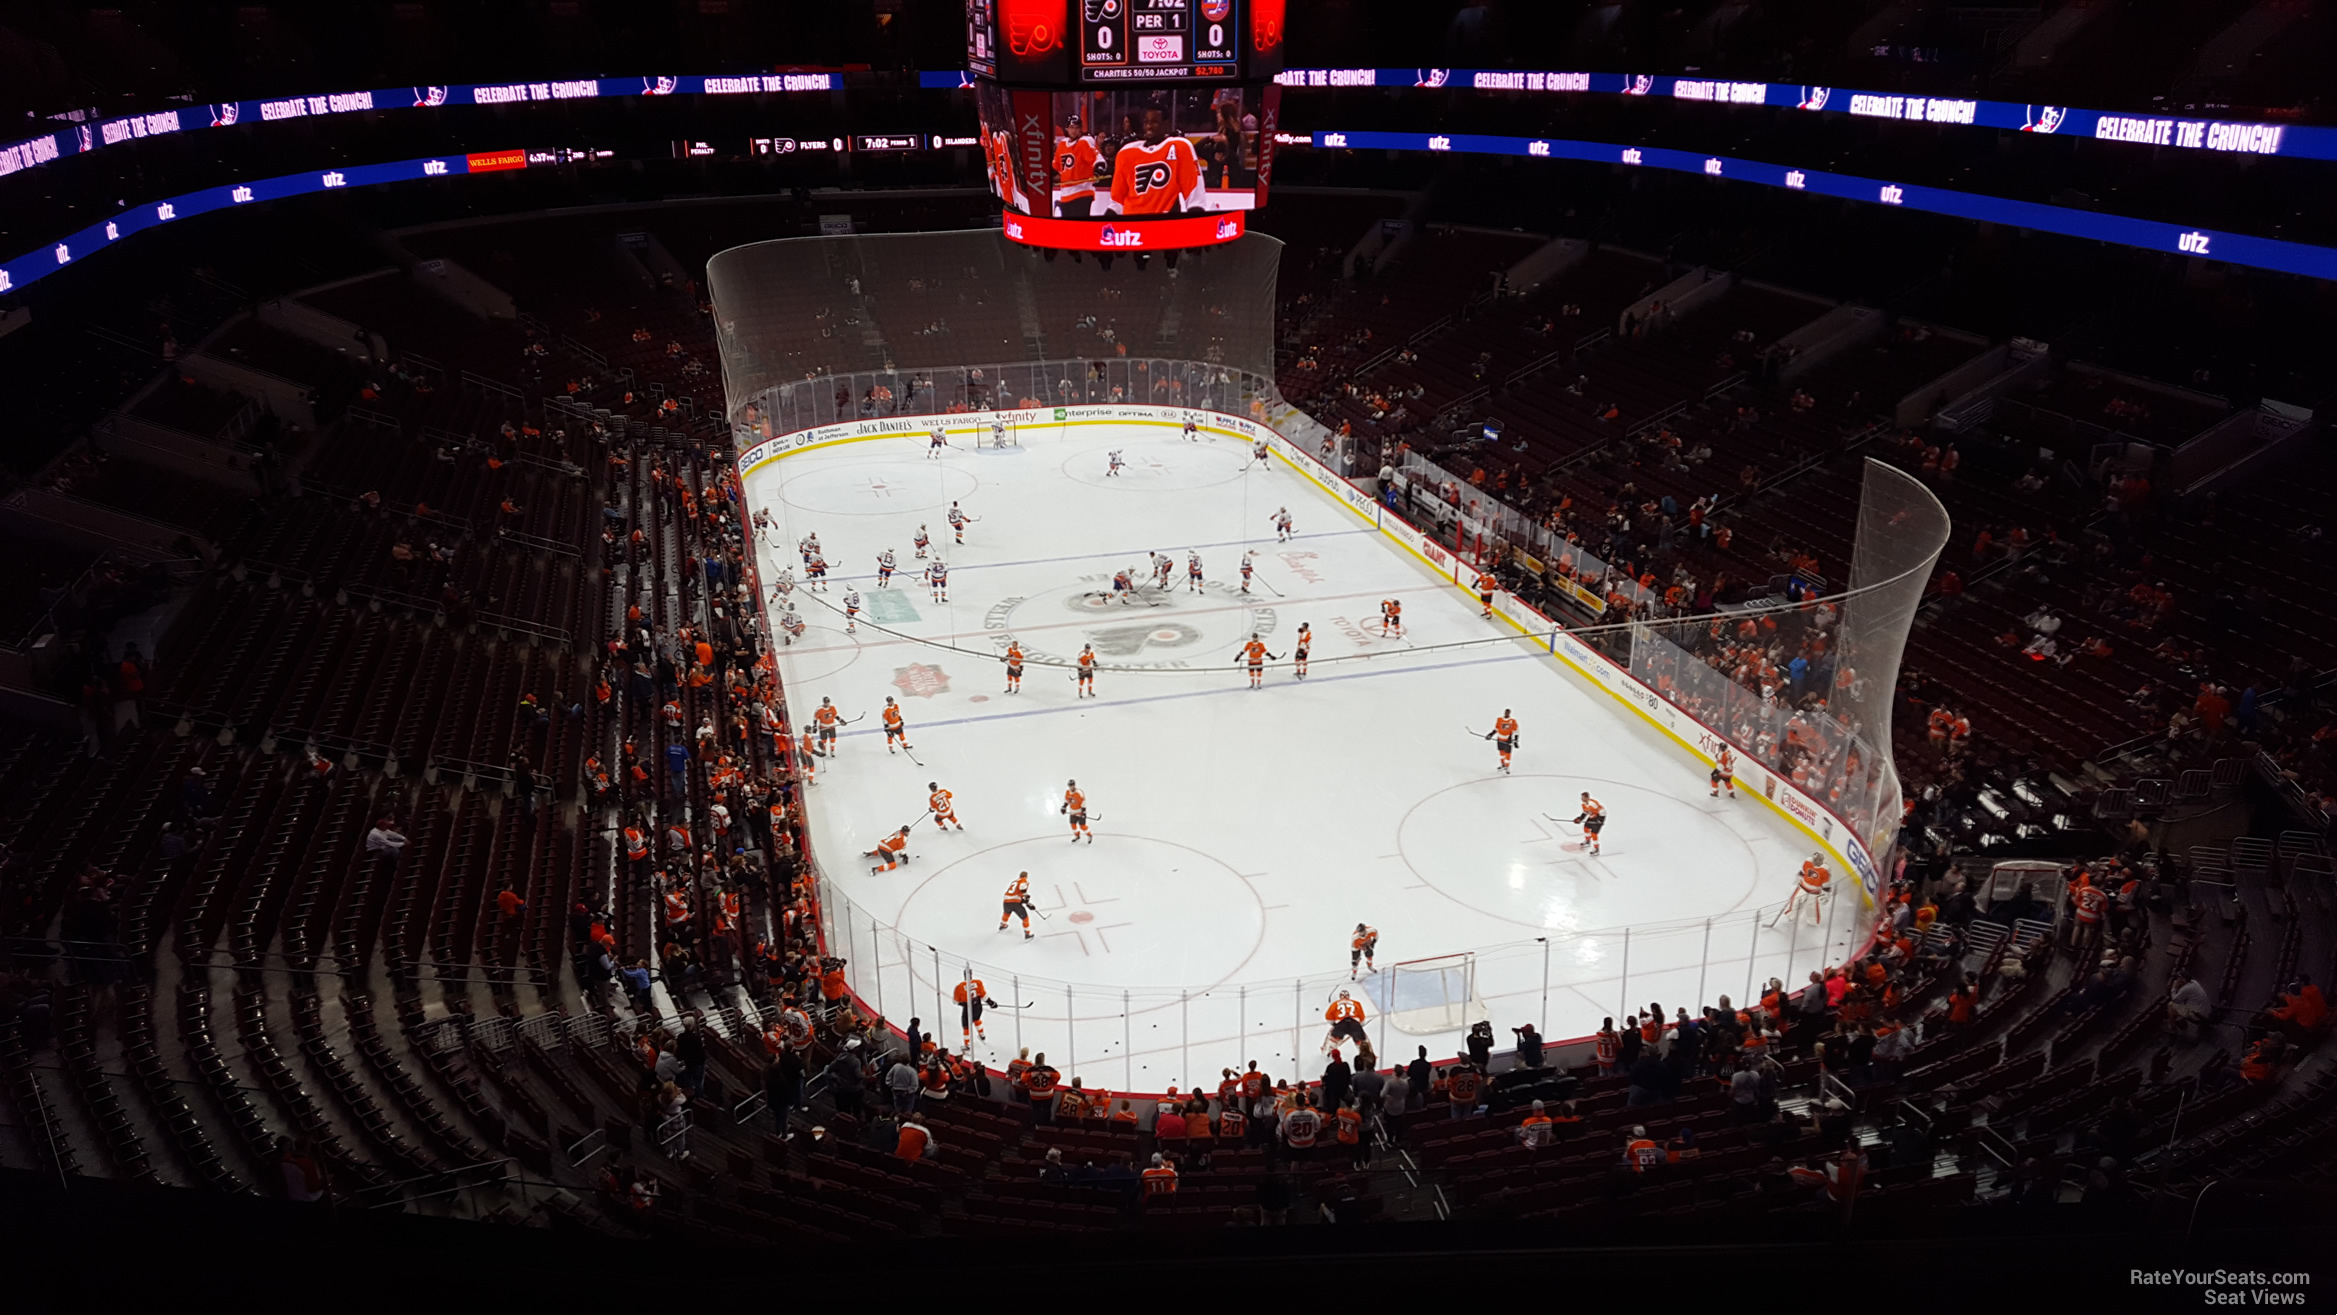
(1127, 125)
(1158, 40)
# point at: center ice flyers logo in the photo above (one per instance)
(2042, 118)
(919, 681)
(1813, 98)
(1124, 642)
(1145, 631)
(426, 97)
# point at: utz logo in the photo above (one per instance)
(2042, 118)
(1227, 230)
(425, 97)
(1115, 236)
(1813, 98)
(919, 681)
(224, 115)
(1014, 229)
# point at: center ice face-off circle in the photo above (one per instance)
(877, 488)
(1159, 467)
(1132, 938)
(1487, 845)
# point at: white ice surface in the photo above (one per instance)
(1240, 835)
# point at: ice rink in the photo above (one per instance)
(1239, 835)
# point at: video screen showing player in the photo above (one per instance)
(1136, 152)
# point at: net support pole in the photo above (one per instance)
(1016, 980)
(1752, 949)
(1792, 939)
(1826, 944)
(1245, 1020)
(1704, 963)
(1070, 1030)
(1184, 1033)
(1297, 994)
(936, 985)
(1127, 1046)
(1545, 1023)
(1625, 1010)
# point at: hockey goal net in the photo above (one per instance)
(1428, 996)
(999, 433)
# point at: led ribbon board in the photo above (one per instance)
(2151, 235)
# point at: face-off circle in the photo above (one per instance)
(1159, 467)
(877, 488)
(1539, 875)
(1167, 629)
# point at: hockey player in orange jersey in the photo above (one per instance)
(1346, 1019)
(1809, 886)
(1017, 904)
(1592, 819)
(944, 812)
(1504, 736)
(1254, 653)
(1155, 175)
(891, 852)
(1014, 666)
(1075, 161)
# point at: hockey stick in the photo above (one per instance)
(1269, 586)
(912, 755)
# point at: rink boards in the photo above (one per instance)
(1209, 1015)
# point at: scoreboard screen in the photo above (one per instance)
(1127, 125)
(1068, 43)
(1147, 40)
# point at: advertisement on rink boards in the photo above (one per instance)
(979, 422)
(1836, 837)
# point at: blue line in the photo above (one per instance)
(1211, 693)
(1081, 557)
